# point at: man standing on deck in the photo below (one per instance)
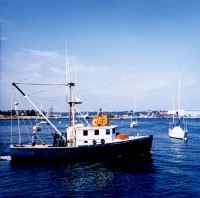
(33, 141)
(55, 139)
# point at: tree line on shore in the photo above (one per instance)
(28, 112)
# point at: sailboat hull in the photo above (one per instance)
(178, 133)
(134, 124)
(131, 147)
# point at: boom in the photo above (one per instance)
(27, 98)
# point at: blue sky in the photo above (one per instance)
(121, 48)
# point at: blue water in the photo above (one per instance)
(172, 170)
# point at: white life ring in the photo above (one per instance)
(94, 122)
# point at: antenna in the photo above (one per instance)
(67, 67)
(67, 72)
(75, 80)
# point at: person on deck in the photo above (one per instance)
(100, 112)
(61, 140)
(55, 139)
(33, 140)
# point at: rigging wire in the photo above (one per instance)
(26, 128)
(11, 120)
(82, 116)
(42, 91)
(47, 99)
(102, 104)
(50, 84)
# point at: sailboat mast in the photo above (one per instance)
(134, 108)
(179, 90)
(173, 112)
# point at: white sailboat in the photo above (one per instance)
(178, 130)
(134, 122)
(37, 127)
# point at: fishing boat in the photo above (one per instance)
(178, 129)
(98, 139)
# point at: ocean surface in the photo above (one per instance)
(172, 169)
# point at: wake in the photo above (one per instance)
(5, 158)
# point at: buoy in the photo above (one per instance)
(94, 142)
(102, 141)
(122, 136)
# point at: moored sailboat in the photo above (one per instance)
(134, 121)
(178, 130)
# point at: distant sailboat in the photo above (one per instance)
(134, 122)
(37, 127)
(178, 130)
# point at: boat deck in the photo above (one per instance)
(40, 146)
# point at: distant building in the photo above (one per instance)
(185, 113)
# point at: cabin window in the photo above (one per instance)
(113, 131)
(85, 132)
(107, 131)
(96, 132)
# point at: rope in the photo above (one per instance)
(82, 116)
(44, 90)
(93, 106)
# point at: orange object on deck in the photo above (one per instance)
(122, 136)
(100, 121)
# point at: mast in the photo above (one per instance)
(67, 67)
(134, 108)
(173, 113)
(18, 122)
(67, 76)
(69, 96)
(70, 84)
(70, 102)
(179, 90)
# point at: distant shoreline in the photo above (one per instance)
(28, 117)
(2, 117)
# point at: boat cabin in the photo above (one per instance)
(99, 132)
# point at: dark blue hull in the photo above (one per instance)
(140, 146)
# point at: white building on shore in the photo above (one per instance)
(191, 113)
